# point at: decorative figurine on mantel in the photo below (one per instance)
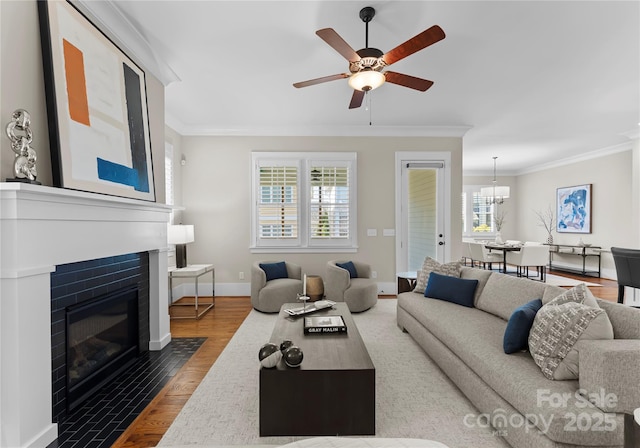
(24, 166)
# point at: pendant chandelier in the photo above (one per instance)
(496, 194)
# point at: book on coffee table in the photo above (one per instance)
(324, 325)
(308, 309)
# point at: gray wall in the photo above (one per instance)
(216, 182)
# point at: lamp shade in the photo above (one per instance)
(366, 80)
(180, 234)
(499, 192)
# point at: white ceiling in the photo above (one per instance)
(534, 81)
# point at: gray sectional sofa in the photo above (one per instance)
(510, 390)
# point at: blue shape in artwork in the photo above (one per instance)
(121, 174)
(573, 210)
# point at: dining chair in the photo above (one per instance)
(530, 256)
(481, 255)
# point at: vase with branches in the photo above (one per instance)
(498, 220)
(546, 219)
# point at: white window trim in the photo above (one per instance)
(303, 244)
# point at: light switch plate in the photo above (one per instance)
(389, 232)
(372, 232)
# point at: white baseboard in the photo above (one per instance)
(387, 288)
(159, 345)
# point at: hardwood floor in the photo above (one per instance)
(219, 325)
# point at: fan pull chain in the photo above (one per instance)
(369, 105)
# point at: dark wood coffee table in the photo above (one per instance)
(331, 393)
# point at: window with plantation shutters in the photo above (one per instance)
(278, 202)
(477, 213)
(329, 205)
(304, 202)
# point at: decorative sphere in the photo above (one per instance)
(285, 345)
(293, 356)
(269, 355)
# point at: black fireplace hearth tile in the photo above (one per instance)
(103, 418)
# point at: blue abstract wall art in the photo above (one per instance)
(574, 209)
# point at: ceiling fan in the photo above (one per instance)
(366, 64)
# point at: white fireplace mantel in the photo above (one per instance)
(40, 228)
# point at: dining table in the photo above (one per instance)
(504, 248)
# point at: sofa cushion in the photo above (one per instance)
(476, 338)
(624, 319)
(516, 335)
(451, 289)
(482, 275)
(579, 294)
(274, 270)
(559, 325)
(551, 292)
(430, 265)
(503, 294)
(349, 266)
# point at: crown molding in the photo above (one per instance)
(116, 25)
(627, 146)
(633, 134)
(317, 131)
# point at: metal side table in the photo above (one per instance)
(194, 271)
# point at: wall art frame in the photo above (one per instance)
(573, 209)
(97, 108)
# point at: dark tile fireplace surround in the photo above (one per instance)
(73, 286)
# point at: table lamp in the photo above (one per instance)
(180, 235)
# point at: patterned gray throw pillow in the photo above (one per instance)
(430, 265)
(559, 325)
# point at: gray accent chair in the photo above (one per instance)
(359, 293)
(269, 296)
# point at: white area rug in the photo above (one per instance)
(414, 399)
(558, 280)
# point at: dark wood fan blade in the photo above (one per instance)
(356, 99)
(416, 43)
(408, 81)
(338, 43)
(313, 82)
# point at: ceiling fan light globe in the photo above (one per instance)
(366, 80)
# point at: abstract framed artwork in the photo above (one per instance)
(96, 107)
(574, 209)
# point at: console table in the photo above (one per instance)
(194, 271)
(576, 250)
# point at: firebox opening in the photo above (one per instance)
(102, 341)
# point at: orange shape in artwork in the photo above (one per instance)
(76, 83)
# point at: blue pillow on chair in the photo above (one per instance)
(274, 270)
(516, 335)
(452, 289)
(349, 266)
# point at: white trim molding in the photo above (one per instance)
(43, 227)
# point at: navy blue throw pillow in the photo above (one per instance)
(349, 267)
(516, 335)
(274, 270)
(452, 289)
